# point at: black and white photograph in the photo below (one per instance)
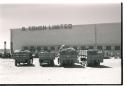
(61, 43)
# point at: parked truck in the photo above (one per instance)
(46, 58)
(90, 57)
(67, 56)
(94, 57)
(22, 56)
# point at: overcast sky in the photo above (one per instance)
(14, 16)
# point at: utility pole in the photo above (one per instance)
(4, 47)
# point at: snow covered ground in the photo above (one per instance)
(108, 73)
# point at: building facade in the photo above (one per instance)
(106, 36)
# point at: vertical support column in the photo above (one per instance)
(11, 47)
(4, 47)
(11, 41)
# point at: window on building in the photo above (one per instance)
(90, 47)
(108, 47)
(99, 47)
(117, 47)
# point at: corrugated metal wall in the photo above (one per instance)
(106, 34)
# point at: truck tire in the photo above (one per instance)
(40, 62)
(58, 61)
(63, 63)
(72, 63)
(19, 63)
(52, 63)
(84, 64)
(97, 63)
(28, 62)
(15, 63)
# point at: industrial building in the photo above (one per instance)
(104, 36)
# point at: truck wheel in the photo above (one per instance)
(40, 62)
(72, 63)
(19, 63)
(96, 63)
(63, 64)
(52, 63)
(58, 61)
(15, 63)
(85, 64)
(28, 62)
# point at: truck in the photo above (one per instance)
(67, 56)
(22, 56)
(90, 57)
(46, 58)
(5, 53)
(94, 57)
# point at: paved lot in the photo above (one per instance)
(108, 73)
